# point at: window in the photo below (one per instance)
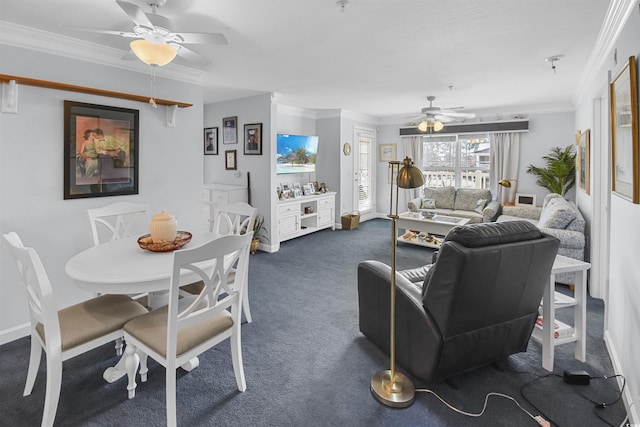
(456, 160)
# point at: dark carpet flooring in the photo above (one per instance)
(306, 363)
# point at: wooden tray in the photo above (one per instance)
(182, 238)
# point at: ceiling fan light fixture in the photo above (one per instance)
(153, 53)
(438, 126)
(423, 126)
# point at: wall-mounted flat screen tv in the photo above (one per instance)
(296, 154)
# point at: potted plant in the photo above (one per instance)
(559, 176)
(259, 231)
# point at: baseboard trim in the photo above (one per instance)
(629, 403)
(12, 334)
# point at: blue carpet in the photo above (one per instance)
(306, 362)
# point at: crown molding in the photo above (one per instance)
(43, 41)
(289, 110)
(617, 15)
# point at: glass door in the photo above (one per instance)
(364, 189)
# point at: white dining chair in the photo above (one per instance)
(174, 334)
(66, 333)
(235, 218)
(118, 221)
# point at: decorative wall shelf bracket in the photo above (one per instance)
(10, 97)
(4, 78)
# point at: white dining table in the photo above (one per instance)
(122, 267)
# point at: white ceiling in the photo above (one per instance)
(377, 57)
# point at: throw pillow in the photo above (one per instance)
(412, 207)
(480, 204)
(428, 204)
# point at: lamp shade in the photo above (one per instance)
(438, 126)
(153, 53)
(506, 183)
(409, 176)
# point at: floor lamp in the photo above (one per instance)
(390, 387)
(507, 183)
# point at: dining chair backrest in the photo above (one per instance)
(42, 305)
(218, 289)
(234, 218)
(118, 220)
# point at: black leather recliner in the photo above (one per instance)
(477, 305)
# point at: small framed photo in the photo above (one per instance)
(230, 160)
(297, 192)
(253, 138)
(308, 189)
(211, 140)
(386, 152)
(230, 130)
(523, 199)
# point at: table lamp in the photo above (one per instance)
(390, 387)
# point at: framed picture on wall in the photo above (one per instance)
(253, 138)
(583, 159)
(623, 97)
(387, 152)
(100, 150)
(211, 140)
(230, 160)
(230, 130)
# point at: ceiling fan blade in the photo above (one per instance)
(129, 56)
(457, 114)
(135, 13)
(444, 119)
(111, 32)
(204, 38)
(193, 57)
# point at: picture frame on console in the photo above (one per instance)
(623, 98)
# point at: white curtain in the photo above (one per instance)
(413, 148)
(503, 164)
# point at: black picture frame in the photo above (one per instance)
(210, 141)
(100, 150)
(230, 130)
(253, 139)
(231, 160)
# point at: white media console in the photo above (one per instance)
(306, 214)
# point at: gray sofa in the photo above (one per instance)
(477, 205)
(559, 218)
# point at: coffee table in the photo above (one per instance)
(425, 230)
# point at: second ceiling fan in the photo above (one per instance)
(436, 117)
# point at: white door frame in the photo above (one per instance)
(600, 200)
(373, 134)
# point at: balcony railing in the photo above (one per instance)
(470, 179)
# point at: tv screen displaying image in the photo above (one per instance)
(296, 154)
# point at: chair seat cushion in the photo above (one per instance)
(151, 330)
(94, 318)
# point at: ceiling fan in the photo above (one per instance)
(156, 43)
(436, 117)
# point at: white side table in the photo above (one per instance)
(553, 300)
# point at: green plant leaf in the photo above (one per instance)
(559, 175)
